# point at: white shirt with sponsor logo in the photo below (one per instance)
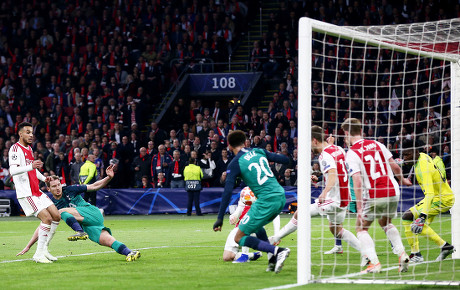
(26, 183)
(333, 157)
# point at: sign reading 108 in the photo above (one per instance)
(223, 83)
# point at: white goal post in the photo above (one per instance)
(417, 39)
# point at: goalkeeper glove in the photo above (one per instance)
(417, 226)
(217, 225)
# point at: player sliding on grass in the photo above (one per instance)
(253, 166)
(439, 198)
(334, 198)
(371, 166)
(231, 248)
(68, 199)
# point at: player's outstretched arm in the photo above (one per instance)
(103, 182)
(330, 183)
(278, 158)
(31, 242)
(233, 171)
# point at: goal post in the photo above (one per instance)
(435, 43)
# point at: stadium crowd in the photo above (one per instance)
(87, 75)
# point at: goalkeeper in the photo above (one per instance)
(438, 199)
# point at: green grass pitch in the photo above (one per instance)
(181, 252)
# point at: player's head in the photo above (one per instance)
(26, 133)
(352, 128)
(410, 152)
(236, 139)
(317, 138)
(54, 186)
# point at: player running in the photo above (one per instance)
(68, 199)
(371, 166)
(333, 200)
(439, 198)
(24, 170)
(253, 166)
(231, 248)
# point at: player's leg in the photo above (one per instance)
(367, 246)
(336, 219)
(74, 212)
(412, 239)
(74, 225)
(231, 247)
(395, 239)
(43, 232)
(106, 239)
(288, 229)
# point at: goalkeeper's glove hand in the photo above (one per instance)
(217, 225)
(417, 226)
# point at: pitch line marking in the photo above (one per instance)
(107, 252)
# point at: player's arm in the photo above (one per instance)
(397, 171)
(233, 172)
(278, 158)
(31, 242)
(103, 182)
(357, 186)
(234, 217)
(426, 183)
(40, 176)
(330, 183)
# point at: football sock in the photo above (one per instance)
(42, 236)
(256, 244)
(412, 239)
(245, 250)
(432, 235)
(395, 239)
(348, 237)
(120, 248)
(338, 242)
(367, 247)
(53, 228)
(71, 221)
(262, 235)
(286, 230)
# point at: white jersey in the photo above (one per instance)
(26, 183)
(333, 157)
(371, 159)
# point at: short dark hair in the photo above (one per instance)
(236, 138)
(192, 161)
(24, 124)
(317, 133)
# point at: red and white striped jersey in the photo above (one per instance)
(333, 157)
(26, 183)
(371, 158)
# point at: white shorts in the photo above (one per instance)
(33, 205)
(376, 208)
(230, 244)
(335, 214)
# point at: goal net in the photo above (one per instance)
(402, 83)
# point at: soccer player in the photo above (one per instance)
(231, 247)
(253, 166)
(371, 166)
(333, 200)
(24, 170)
(68, 199)
(439, 198)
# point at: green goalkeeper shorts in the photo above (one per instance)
(93, 222)
(261, 213)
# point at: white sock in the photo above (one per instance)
(245, 250)
(351, 239)
(367, 247)
(42, 237)
(286, 230)
(53, 228)
(395, 239)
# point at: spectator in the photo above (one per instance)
(75, 169)
(160, 162)
(176, 171)
(141, 167)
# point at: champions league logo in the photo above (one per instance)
(14, 157)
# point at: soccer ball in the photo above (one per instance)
(247, 196)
